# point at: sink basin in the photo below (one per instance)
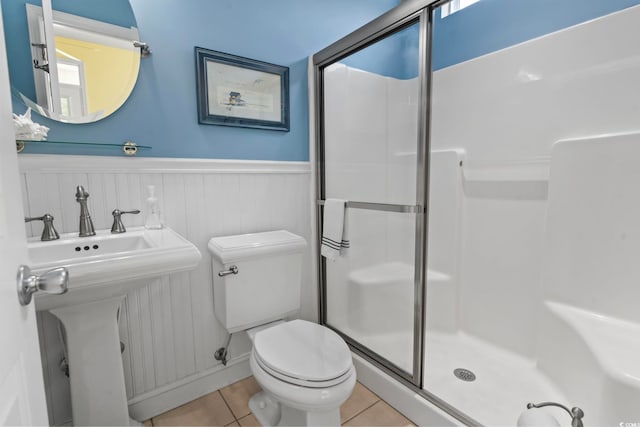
(77, 249)
(108, 264)
(102, 269)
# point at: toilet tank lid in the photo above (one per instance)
(243, 246)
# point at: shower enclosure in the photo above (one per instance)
(474, 146)
(372, 151)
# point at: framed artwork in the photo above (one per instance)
(237, 91)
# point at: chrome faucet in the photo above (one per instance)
(86, 225)
(575, 413)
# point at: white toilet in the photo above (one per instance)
(305, 370)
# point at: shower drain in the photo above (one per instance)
(464, 374)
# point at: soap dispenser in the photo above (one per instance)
(153, 221)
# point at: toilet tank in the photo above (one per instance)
(267, 284)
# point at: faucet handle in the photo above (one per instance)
(48, 232)
(118, 226)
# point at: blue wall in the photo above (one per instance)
(395, 56)
(162, 112)
(491, 25)
(117, 12)
(162, 109)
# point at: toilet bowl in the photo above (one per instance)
(305, 371)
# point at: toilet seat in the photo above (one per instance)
(303, 353)
(298, 381)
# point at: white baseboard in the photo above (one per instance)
(171, 396)
(413, 406)
(405, 400)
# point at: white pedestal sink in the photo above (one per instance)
(102, 269)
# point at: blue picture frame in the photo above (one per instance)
(237, 91)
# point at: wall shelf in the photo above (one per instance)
(128, 148)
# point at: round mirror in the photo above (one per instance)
(73, 61)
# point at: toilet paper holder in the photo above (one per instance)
(575, 413)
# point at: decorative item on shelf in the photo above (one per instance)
(27, 129)
(237, 91)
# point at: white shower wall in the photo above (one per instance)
(168, 327)
(370, 156)
(506, 110)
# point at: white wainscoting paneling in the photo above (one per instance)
(168, 327)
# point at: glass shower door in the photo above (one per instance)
(370, 155)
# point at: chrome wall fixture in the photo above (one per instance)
(130, 148)
(386, 207)
(232, 270)
(575, 413)
(145, 50)
(44, 65)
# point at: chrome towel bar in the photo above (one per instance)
(387, 207)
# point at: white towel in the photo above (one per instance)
(335, 239)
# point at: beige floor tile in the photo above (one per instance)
(360, 399)
(379, 415)
(209, 410)
(148, 423)
(233, 424)
(249, 421)
(237, 396)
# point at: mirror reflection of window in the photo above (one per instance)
(72, 87)
(109, 67)
(455, 5)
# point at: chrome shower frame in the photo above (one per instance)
(409, 12)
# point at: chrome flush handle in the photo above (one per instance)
(232, 270)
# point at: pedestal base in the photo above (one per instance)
(98, 394)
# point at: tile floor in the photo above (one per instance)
(230, 407)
